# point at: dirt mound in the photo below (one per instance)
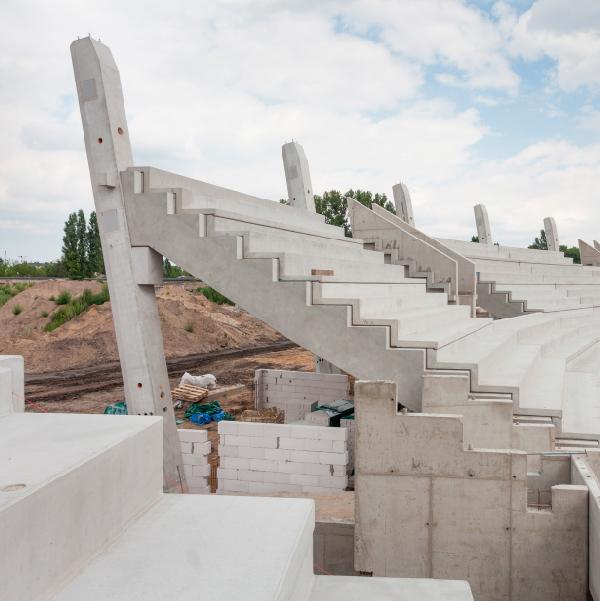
(190, 324)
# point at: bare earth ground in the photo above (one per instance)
(90, 340)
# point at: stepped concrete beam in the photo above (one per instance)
(134, 308)
(589, 255)
(483, 224)
(551, 233)
(297, 176)
(403, 203)
(596, 245)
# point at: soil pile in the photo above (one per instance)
(190, 324)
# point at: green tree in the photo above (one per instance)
(82, 245)
(95, 260)
(540, 243)
(474, 238)
(70, 255)
(335, 208)
(571, 251)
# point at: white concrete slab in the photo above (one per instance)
(348, 588)
(69, 484)
(195, 547)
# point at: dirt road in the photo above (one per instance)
(90, 389)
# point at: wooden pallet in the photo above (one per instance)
(190, 393)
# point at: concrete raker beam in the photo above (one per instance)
(297, 176)
(129, 271)
(551, 233)
(483, 224)
(403, 203)
(589, 254)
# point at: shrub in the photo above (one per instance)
(189, 327)
(74, 307)
(44, 313)
(64, 314)
(7, 291)
(52, 298)
(216, 297)
(64, 298)
(17, 310)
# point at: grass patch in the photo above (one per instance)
(76, 307)
(44, 313)
(64, 298)
(17, 310)
(7, 291)
(52, 298)
(189, 327)
(216, 297)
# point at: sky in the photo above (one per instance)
(466, 102)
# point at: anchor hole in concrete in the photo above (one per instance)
(120, 131)
(100, 140)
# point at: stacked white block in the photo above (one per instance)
(269, 458)
(296, 392)
(349, 425)
(195, 449)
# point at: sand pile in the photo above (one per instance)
(89, 339)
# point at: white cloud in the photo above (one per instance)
(549, 178)
(565, 31)
(214, 92)
(448, 32)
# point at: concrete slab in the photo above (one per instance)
(331, 588)
(206, 547)
(69, 484)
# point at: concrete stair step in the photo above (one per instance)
(359, 290)
(374, 306)
(424, 319)
(260, 242)
(74, 483)
(261, 546)
(441, 337)
(295, 265)
(348, 588)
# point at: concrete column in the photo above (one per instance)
(134, 308)
(403, 204)
(297, 176)
(551, 233)
(483, 224)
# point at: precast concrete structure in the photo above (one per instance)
(471, 480)
(482, 221)
(83, 516)
(426, 506)
(551, 234)
(403, 203)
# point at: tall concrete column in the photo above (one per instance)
(129, 271)
(297, 176)
(403, 204)
(300, 194)
(551, 233)
(483, 224)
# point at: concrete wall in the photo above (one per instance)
(333, 550)
(295, 392)
(12, 396)
(586, 471)
(195, 449)
(269, 458)
(426, 507)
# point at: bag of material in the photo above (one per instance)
(205, 381)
